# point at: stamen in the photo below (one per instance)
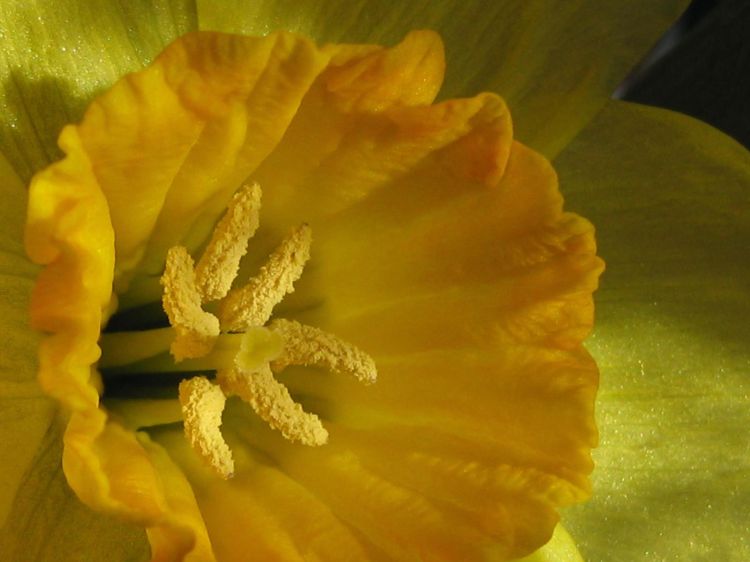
(202, 405)
(271, 401)
(253, 304)
(220, 261)
(305, 345)
(195, 329)
(238, 345)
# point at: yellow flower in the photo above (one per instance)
(24, 504)
(440, 249)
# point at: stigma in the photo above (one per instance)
(266, 345)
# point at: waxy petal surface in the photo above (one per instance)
(671, 197)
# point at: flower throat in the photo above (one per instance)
(239, 343)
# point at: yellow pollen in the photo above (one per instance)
(271, 401)
(196, 329)
(305, 345)
(262, 349)
(202, 405)
(253, 304)
(218, 265)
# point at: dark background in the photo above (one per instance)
(701, 67)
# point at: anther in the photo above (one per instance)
(272, 402)
(305, 345)
(220, 261)
(196, 330)
(202, 405)
(253, 304)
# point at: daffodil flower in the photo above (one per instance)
(640, 174)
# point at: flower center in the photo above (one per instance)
(240, 343)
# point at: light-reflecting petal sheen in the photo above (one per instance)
(56, 56)
(671, 197)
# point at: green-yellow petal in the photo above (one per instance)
(671, 198)
(560, 548)
(26, 412)
(48, 523)
(554, 61)
(56, 56)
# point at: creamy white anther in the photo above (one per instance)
(218, 265)
(272, 402)
(196, 329)
(305, 345)
(202, 405)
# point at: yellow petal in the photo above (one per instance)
(671, 198)
(117, 471)
(555, 62)
(55, 57)
(225, 102)
(472, 290)
(68, 229)
(262, 510)
(520, 270)
(33, 490)
(181, 534)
